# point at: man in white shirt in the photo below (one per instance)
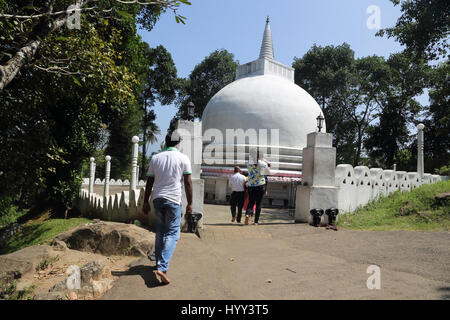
(166, 173)
(237, 183)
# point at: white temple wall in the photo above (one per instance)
(346, 184)
(378, 183)
(364, 185)
(355, 189)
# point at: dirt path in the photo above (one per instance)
(293, 261)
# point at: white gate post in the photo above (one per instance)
(92, 175)
(134, 158)
(107, 174)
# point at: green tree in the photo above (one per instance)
(161, 84)
(25, 27)
(437, 123)
(327, 74)
(423, 27)
(404, 80)
(72, 86)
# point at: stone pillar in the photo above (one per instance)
(137, 174)
(192, 146)
(92, 175)
(134, 158)
(420, 168)
(318, 189)
(107, 174)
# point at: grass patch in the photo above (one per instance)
(40, 232)
(415, 210)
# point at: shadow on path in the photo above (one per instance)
(146, 272)
(446, 291)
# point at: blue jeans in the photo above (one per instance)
(167, 227)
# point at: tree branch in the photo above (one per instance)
(12, 67)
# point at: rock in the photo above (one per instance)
(110, 238)
(100, 287)
(93, 271)
(59, 245)
(50, 296)
(86, 293)
(15, 265)
(95, 281)
(59, 287)
(74, 279)
(442, 198)
(71, 295)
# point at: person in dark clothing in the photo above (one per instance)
(236, 183)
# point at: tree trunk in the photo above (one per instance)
(10, 70)
(13, 66)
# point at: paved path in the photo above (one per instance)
(281, 260)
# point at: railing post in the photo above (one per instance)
(107, 174)
(134, 158)
(92, 175)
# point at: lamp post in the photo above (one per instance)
(420, 168)
(320, 120)
(191, 108)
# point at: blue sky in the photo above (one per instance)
(238, 26)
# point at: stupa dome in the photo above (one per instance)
(264, 102)
(264, 96)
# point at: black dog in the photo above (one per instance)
(332, 214)
(317, 215)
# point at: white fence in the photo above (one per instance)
(112, 182)
(125, 206)
(360, 185)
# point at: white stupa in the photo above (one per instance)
(263, 96)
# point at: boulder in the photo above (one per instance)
(15, 265)
(58, 245)
(442, 199)
(95, 280)
(94, 271)
(109, 238)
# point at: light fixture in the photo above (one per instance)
(320, 120)
(191, 108)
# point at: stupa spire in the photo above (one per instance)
(267, 45)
